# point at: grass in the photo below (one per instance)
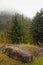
(37, 61)
(5, 60)
(29, 46)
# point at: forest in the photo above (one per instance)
(21, 39)
(16, 28)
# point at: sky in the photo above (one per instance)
(26, 7)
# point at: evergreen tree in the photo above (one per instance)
(15, 30)
(37, 27)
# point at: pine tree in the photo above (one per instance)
(37, 27)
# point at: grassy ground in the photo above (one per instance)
(5, 60)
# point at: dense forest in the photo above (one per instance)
(17, 28)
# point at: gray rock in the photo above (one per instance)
(19, 53)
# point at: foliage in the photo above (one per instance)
(1, 37)
(21, 29)
(37, 27)
(15, 31)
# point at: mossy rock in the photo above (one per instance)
(19, 53)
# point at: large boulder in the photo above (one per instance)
(19, 53)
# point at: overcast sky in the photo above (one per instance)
(27, 7)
